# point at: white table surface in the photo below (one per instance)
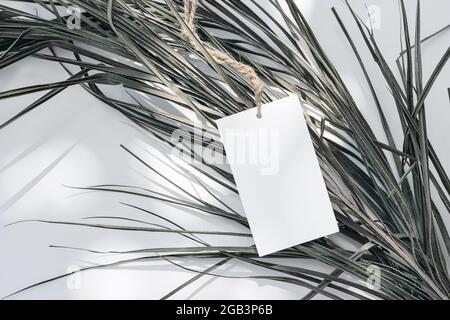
(74, 139)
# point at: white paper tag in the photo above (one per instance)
(278, 176)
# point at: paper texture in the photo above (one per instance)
(278, 176)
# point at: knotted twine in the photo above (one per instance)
(221, 58)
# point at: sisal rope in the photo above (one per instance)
(221, 58)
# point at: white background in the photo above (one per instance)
(74, 139)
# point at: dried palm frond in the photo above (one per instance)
(381, 192)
